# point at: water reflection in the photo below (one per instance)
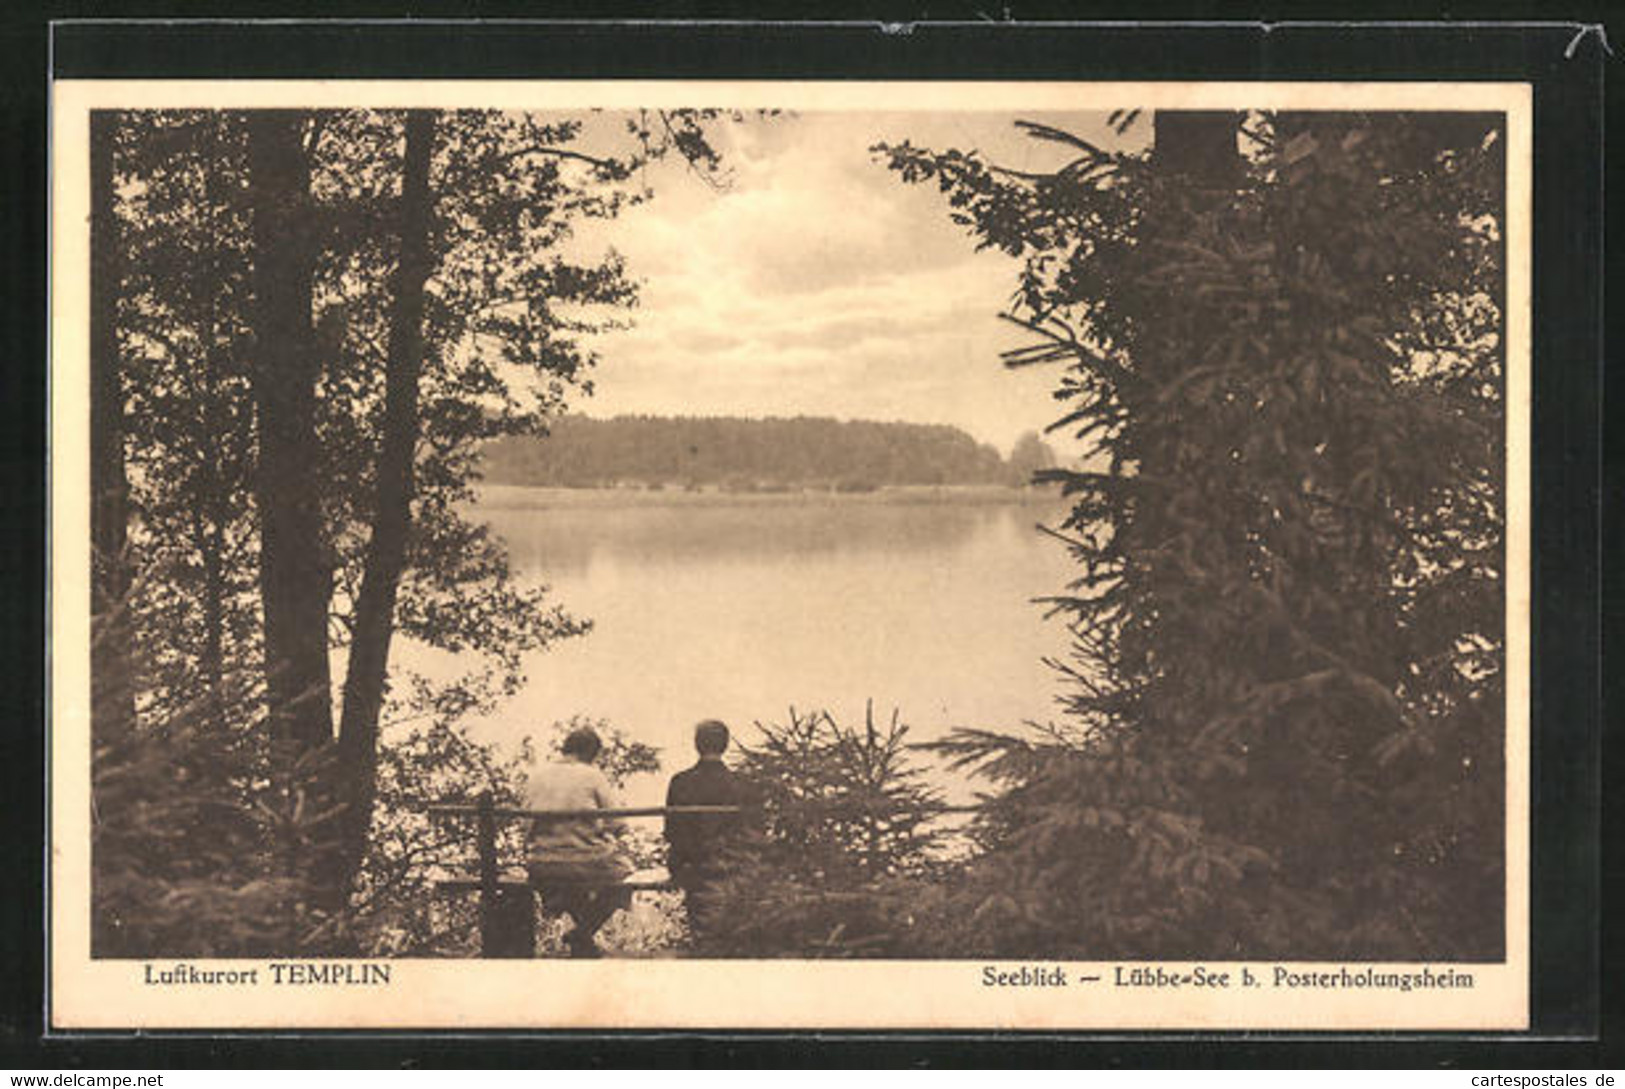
(562, 534)
(739, 607)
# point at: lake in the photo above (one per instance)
(740, 606)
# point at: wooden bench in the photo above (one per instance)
(508, 908)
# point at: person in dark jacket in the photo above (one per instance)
(699, 841)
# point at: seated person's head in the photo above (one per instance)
(582, 744)
(711, 738)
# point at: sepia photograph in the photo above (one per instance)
(892, 555)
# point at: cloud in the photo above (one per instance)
(704, 340)
(819, 284)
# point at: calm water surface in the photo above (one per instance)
(739, 607)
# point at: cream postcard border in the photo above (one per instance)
(445, 994)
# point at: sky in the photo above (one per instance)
(817, 283)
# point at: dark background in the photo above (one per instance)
(1567, 66)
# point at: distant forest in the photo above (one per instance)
(849, 455)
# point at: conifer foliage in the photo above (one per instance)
(1285, 729)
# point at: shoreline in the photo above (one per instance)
(542, 497)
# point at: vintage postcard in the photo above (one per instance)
(731, 555)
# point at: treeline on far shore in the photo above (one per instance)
(756, 454)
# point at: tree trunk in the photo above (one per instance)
(1197, 166)
(296, 578)
(392, 517)
(212, 667)
(214, 482)
(113, 704)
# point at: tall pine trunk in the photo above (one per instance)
(1197, 166)
(213, 497)
(296, 578)
(213, 665)
(111, 662)
(392, 516)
